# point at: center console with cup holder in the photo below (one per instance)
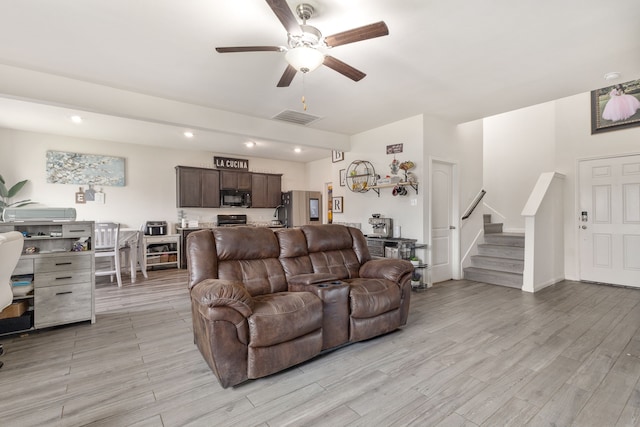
(335, 309)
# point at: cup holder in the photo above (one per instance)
(327, 284)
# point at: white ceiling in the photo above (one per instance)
(459, 60)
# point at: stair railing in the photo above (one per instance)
(474, 204)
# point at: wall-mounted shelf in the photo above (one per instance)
(377, 188)
(361, 176)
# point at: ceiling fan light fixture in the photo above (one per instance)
(304, 58)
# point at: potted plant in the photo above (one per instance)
(415, 261)
(7, 194)
(416, 280)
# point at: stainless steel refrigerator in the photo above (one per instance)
(300, 208)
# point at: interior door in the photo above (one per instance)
(442, 221)
(609, 220)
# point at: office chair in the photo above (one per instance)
(10, 250)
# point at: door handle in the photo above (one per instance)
(452, 227)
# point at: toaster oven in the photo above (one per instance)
(155, 228)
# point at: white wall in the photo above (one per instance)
(544, 232)
(150, 190)
(469, 147)
(371, 146)
(518, 146)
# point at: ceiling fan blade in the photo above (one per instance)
(285, 15)
(366, 32)
(344, 69)
(287, 76)
(249, 49)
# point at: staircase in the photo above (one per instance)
(500, 260)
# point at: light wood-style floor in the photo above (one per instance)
(471, 354)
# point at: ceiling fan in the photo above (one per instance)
(304, 42)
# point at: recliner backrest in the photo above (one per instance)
(250, 255)
(331, 250)
(294, 255)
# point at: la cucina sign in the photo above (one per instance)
(231, 163)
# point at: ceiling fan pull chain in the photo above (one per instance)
(304, 102)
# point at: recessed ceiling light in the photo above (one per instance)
(188, 134)
(250, 144)
(297, 150)
(76, 119)
(612, 75)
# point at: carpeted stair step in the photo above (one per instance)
(501, 251)
(492, 227)
(503, 278)
(498, 263)
(505, 239)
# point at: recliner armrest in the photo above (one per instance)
(390, 269)
(223, 293)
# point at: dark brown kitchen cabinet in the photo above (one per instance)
(197, 187)
(266, 190)
(230, 180)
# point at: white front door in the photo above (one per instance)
(609, 220)
(442, 221)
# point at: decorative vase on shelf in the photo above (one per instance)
(395, 165)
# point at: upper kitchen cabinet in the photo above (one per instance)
(197, 187)
(266, 190)
(230, 180)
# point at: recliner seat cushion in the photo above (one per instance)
(283, 317)
(372, 297)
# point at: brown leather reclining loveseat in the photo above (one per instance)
(265, 300)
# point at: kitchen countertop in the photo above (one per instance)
(251, 224)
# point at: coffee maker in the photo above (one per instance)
(382, 227)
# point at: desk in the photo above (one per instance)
(63, 277)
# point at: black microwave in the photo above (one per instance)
(235, 198)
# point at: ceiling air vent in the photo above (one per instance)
(296, 117)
